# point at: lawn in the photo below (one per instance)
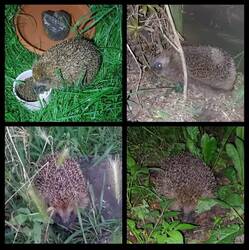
(99, 101)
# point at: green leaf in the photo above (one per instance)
(176, 148)
(20, 219)
(224, 235)
(227, 194)
(209, 147)
(205, 205)
(27, 231)
(235, 200)
(23, 210)
(185, 226)
(240, 132)
(225, 191)
(159, 238)
(234, 155)
(223, 204)
(141, 211)
(148, 226)
(37, 217)
(193, 133)
(131, 223)
(175, 237)
(240, 149)
(192, 147)
(171, 214)
(37, 232)
(173, 225)
(231, 174)
(132, 166)
(165, 226)
(136, 232)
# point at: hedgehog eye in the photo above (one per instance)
(158, 65)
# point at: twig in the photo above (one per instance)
(165, 36)
(140, 72)
(180, 50)
(18, 156)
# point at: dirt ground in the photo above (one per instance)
(112, 208)
(156, 100)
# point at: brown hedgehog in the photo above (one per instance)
(185, 179)
(62, 186)
(66, 63)
(206, 65)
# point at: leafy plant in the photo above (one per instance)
(191, 135)
(236, 153)
(170, 232)
(224, 234)
(137, 179)
(209, 148)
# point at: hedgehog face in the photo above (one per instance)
(161, 63)
(41, 77)
(167, 65)
(65, 216)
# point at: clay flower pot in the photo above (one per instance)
(30, 30)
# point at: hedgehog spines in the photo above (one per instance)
(62, 187)
(185, 179)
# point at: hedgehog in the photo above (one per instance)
(206, 66)
(66, 63)
(185, 179)
(62, 186)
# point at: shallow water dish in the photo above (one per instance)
(33, 106)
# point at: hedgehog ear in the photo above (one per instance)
(155, 170)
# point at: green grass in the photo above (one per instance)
(99, 101)
(24, 147)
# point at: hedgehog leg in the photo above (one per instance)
(188, 217)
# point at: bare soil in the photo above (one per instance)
(102, 186)
(157, 100)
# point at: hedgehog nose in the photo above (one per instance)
(65, 220)
(39, 89)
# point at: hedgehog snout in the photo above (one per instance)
(41, 86)
(65, 217)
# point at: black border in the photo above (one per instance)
(125, 124)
